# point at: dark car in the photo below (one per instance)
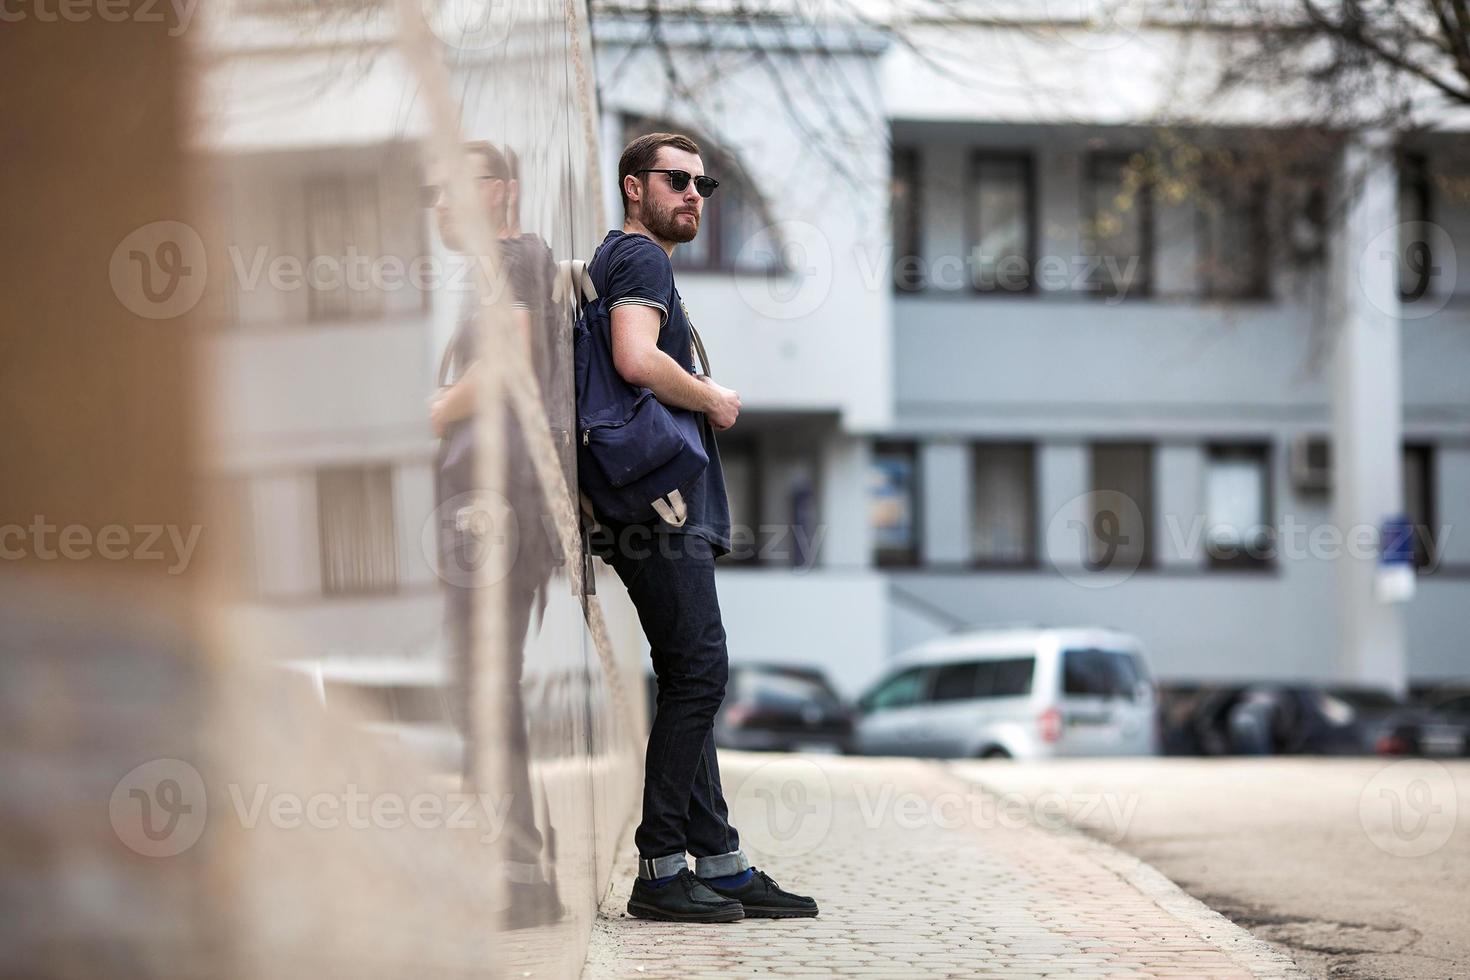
(1286, 719)
(1440, 728)
(779, 708)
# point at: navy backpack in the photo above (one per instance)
(635, 455)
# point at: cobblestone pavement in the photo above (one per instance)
(920, 873)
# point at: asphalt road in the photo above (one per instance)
(1356, 867)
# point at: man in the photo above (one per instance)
(529, 271)
(670, 572)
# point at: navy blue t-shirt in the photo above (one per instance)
(633, 268)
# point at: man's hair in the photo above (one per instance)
(500, 164)
(642, 154)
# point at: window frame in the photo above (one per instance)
(906, 557)
(1027, 160)
(1259, 451)
(1032, 558)
(1094, 165)
(913, 167)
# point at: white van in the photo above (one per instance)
(1013, 693)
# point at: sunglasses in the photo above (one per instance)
(679, 179)
(429, 193)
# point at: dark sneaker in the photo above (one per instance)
(762, 898)
(685, 899)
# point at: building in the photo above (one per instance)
(1016, 375)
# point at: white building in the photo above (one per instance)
(914, 455)
(944, 422)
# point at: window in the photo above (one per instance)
(899, 691)
(1416, 261)
(904, 202)
(1237, 505)
(343, 240)
(893, 502)
(1010, 678)
(1120, 518)
(1002, 501)
(1119, 226)
(1233, 243)
(355, 518)
(955, 682)
(741, 461)
(1419, 500)
(1000, 223)
(1100, 673)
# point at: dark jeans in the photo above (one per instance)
(671, 580)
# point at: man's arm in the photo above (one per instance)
(636, 357)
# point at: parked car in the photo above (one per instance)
(1441, 728)
(1015, 693)
(1273, 718)
(775, 707)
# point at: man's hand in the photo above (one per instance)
(724, 406)
(439, 412)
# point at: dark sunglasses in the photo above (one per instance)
(679, 179)
(429, 193)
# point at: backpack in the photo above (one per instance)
(635, 455)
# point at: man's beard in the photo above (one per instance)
(668, 225)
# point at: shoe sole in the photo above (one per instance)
(640, 911)
(770, 912)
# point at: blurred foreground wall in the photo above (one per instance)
(237, 739)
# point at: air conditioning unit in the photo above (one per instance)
(1311, 464)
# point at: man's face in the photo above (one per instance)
(672, 215)
(490, 193)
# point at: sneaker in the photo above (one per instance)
(685, 899)
(762, 898)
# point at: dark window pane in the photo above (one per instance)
(1013, 677)
(1001, 518)
(1121, 506)
(954, 683)
(1000, 223)
(1119, 227)
(893, 504)
(904, 204)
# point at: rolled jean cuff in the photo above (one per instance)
(719, 865)
(661, 867)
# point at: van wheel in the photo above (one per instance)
(995, 752)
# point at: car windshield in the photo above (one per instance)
(772, 687)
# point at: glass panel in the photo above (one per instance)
(1000, 221)
(1002, 501)
(891, 503)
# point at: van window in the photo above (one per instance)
(1010, 678)
(1100, 673)
(954, 682)
(899, 691)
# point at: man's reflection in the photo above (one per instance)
(529, 272)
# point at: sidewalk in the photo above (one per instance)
(920, 873)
